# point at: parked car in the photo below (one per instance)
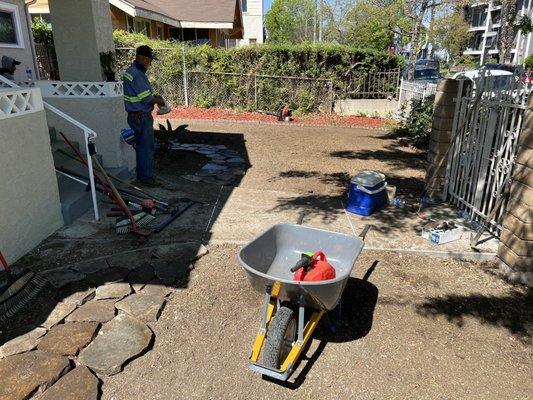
(424, 75)
(501, 76)
(429, 64)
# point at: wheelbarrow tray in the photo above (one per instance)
(269, 257)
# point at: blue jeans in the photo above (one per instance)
(143, 127)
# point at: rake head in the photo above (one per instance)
(20, 293)
(123, 224)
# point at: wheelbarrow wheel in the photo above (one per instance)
(281, 336)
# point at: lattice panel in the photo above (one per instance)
(19, 102)
(81, 89)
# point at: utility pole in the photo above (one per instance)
(320, 22)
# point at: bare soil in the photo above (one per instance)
(412, 328)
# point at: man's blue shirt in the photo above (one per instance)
(138, 92)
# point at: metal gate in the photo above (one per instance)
(488, 118)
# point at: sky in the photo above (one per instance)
(266, 4)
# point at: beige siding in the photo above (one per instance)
(24, 52)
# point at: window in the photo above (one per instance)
(252, 41)
(244, 5)
(160, 32)
(10, 33)
(139, 26)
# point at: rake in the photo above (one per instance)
(18, 291)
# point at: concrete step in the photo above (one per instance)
(75, 199)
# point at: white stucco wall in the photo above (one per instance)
(82, 29)
(253, 23)
(24, 52)
(106, 116)
(30, 208)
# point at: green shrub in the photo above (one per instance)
(42, 32)
(528, 62)
(416, 127)
(327, 61)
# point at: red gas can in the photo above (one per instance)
(318, 270)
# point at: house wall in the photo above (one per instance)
(105, 116)
(253, 23)
(24, 54)
(118, 18)
(82, 29)
(30, 209)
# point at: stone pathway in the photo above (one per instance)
(99, 324)
(225, 166)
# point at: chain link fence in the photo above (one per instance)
(180, 85)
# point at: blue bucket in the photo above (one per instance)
(367, 193)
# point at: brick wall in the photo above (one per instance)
(441, 135)
(516, 240)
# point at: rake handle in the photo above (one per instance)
(4, 262)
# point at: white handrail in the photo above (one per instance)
(89, 137)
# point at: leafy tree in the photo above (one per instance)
(450, 32)
(291, 21)
(368, 26)
(42, 32)
(528, 63)
(510, 24)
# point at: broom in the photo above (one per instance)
(18, 291)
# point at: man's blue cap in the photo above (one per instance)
(146, 51)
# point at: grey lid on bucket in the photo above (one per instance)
(368, 178)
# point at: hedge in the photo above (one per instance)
(341, 64)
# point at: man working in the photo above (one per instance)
(139, 101)
(9, 65)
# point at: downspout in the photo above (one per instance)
(28, 3)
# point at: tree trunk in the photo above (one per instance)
(415, 38)
(507, 30)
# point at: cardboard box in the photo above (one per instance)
(439, 236)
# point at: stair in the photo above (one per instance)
(75, 199)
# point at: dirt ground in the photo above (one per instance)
(414, 328)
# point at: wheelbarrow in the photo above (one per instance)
(293, 309)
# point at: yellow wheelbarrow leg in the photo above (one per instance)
(298, 346)
(268, 311)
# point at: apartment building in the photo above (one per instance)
(485, 23)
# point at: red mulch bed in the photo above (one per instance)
(218, 114)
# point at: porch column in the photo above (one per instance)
(82, 30)
(516, 240)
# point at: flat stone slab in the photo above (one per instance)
(78, 384)
(88, 267)
(114, 290)
(107, 275)
(158, 288)
(129, 260)
(120, 340)
(145, 307)
(188, 250)
(67, 339)
(214, 167)
(94, 311)
(170, 271)
(25, 342)
(76, 294)
(61, 278)
(58, 314)
(141, 276)
(30, 373)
